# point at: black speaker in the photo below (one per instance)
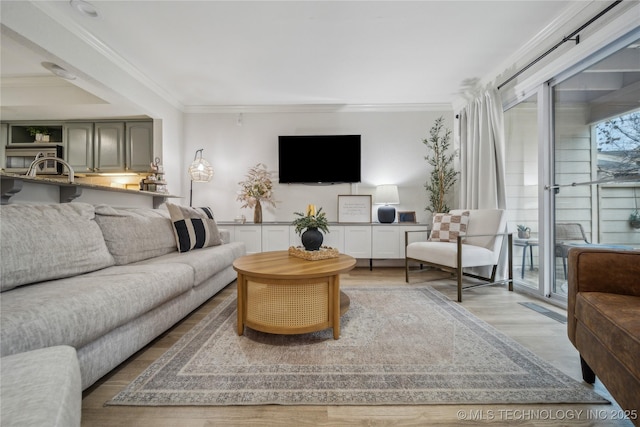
(386, 214)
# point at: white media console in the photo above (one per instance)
(363, 241)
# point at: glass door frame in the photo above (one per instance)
(542, 94)
(547, 162)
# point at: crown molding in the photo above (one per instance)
(316, 108)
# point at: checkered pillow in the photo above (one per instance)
(447, 228)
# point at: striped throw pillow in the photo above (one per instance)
(447, 227)
(194, 228)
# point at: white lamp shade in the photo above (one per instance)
(200, 170)
(387, 195)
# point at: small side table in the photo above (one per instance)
(526, 243)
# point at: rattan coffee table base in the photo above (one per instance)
(281, 294)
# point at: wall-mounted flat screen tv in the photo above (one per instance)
(319, 159)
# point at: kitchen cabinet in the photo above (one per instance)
(138, 146)
(78, 146)
(109, 146)
(95, 147)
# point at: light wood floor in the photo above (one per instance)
(494, 304)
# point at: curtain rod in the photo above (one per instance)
(570, 37)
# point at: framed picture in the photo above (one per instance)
(354, 208)
(406, 216)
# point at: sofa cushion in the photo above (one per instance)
(205, 262)
(135, 234)
(445, 253)
(51, 241)
(77, 310)
(447, 227)
(615, 319)
(194, 228)
(41, 388)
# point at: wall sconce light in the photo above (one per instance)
(199, 171)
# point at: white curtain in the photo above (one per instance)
(482, 153)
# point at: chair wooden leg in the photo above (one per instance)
(406, 269)
(459, 284)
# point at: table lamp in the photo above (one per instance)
(387, 195)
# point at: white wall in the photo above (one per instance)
(392, 153)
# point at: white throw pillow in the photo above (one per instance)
(194, 228)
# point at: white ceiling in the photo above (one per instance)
(257, 53)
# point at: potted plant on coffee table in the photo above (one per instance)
(309, 227)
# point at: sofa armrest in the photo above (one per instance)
(600, 270)
(604, 270)
(225, 235)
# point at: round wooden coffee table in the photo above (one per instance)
(282, 294)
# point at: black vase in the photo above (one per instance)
(312, 239)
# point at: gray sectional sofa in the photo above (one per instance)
(100, 280)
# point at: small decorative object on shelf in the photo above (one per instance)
(313, 220)
(324, 252)
(257, 188)
(155, 182)
(41, 134)
(524, 232)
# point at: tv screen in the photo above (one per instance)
(319, 159)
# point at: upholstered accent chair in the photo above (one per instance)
(603, 320)
(463, 239)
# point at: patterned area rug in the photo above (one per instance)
(398, 346)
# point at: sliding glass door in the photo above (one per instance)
(596, 140)
(521, 133)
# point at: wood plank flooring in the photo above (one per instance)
(494, 304)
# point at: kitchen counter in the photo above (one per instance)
(12, 184)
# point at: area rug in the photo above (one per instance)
(399, 345)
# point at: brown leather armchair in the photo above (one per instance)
(603, 314)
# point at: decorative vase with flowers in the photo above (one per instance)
(312, 223)
(256, 189)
